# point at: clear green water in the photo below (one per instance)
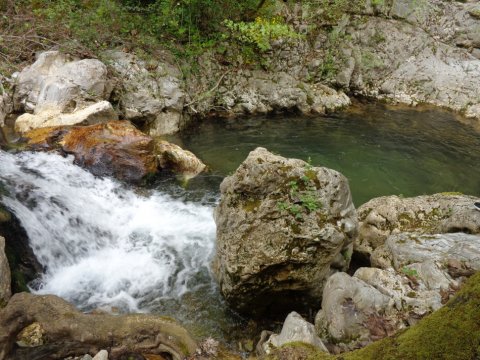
(382, 152)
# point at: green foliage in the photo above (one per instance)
(409, 272)
(261, 32)
(85, 27)
(302, 195)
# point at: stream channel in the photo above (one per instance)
(125, 249)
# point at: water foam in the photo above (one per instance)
(104, 245)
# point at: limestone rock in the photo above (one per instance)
(283, 227)
(115, 148)
(446, 249)
(93, 114)
(430, 214)
(150, 93)
(348, 304)
(178, 160)
(295, 329)
(58, 81)
(264, 93)
(5, 279)
(371, 305)
(68, 332)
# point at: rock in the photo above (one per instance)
(178, 160)
(446, 249)
(430, 214)
(373, 304)
(150, 94)
(93, 114)
(115, 148)
(283, 227)
(451, 331)
(295, 329)
(101, 355)
(5, 278)
(58, 81)
(31, 336)
(407, 52)
(63, 325)
(348, 304)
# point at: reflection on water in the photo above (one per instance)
(381, 151)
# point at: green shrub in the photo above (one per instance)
(261, 32)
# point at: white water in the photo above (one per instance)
(103, 245)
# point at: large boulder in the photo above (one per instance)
(283, 227)
(150, 93)
(57, 80)
(40, 327)
(5, 279)
(60, 90)
(430, 214)
(115, 148)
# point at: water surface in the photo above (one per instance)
(382, 152)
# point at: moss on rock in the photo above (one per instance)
(451, 333)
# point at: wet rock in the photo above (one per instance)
(178, 160)
(430, 214)
(58, 81)
(115, 148)
(283, 227)
(150, 94)
(295, 329)
(5, 278)
(457, 251)
(68, 332)
(96, 113)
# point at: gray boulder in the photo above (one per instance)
(295, 329)
(5, 279)
(58, 81)
(60, 90)
(430, 214)
(150, 94)
(283, 227)
(372, 304)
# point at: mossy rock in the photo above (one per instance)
(451, 333)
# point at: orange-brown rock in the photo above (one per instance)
(115, 148)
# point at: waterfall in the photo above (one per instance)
(102, 244)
